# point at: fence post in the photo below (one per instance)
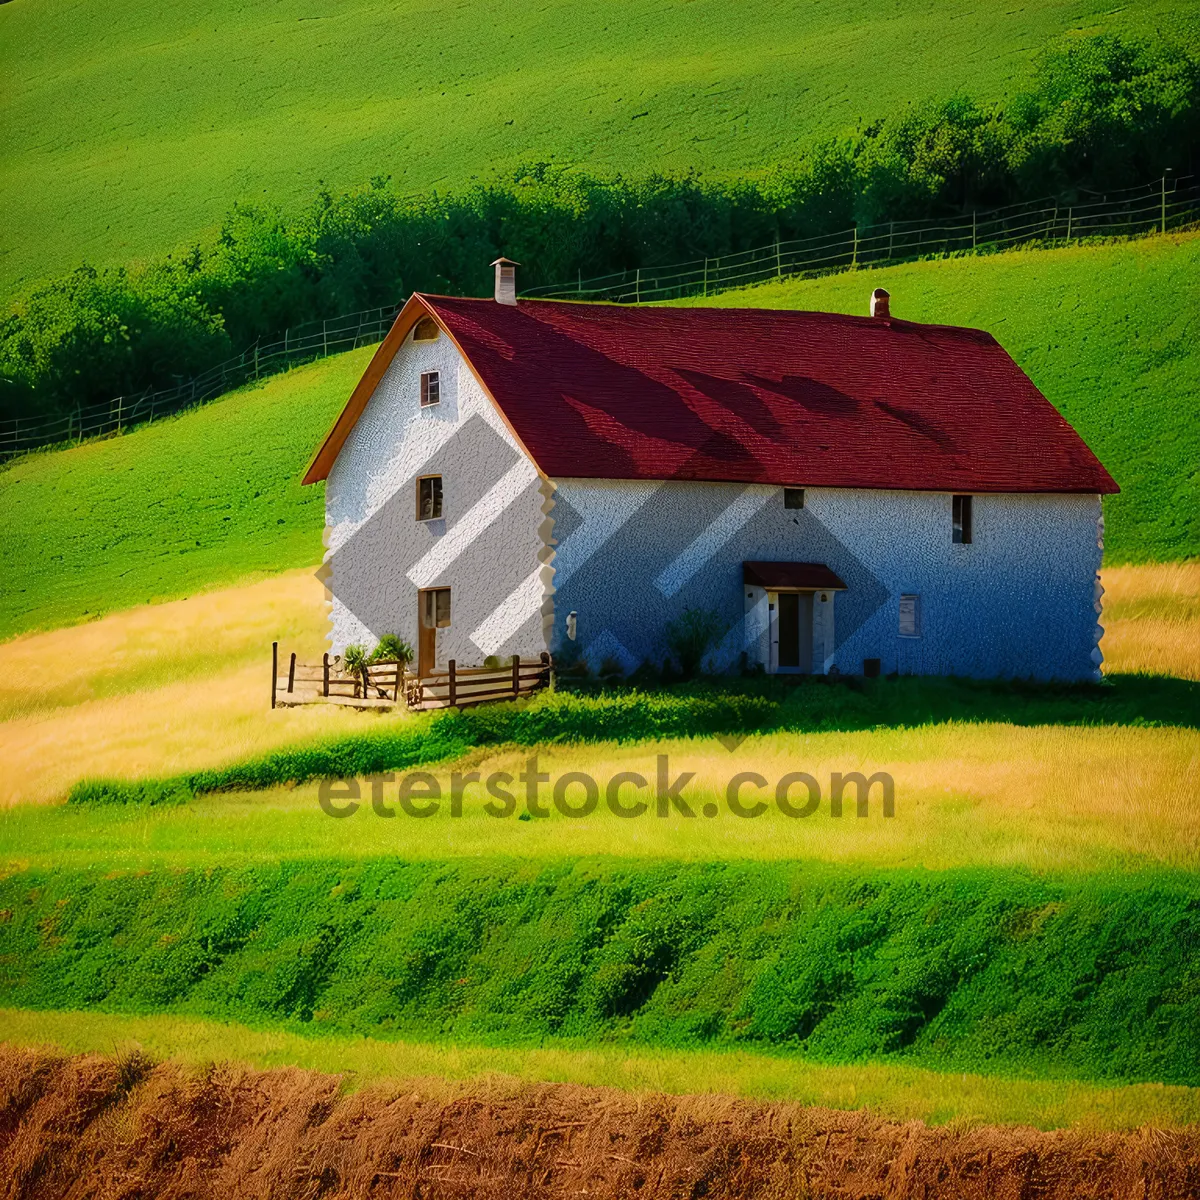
(120, 410)
(256, 359)
(974, 230)
(274, 670)
(516, 675)
(1164, 203)
(1070, 212)
(891, 236)
(292, 674)
(545, 669)
(778, 260)
(637, 287)
(854, 253)
(453, 690)
(325, 338)
(325, 673)
(704, 289)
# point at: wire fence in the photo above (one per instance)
(1165, 205)
(1168, 204)
(295, 346)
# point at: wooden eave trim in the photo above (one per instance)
(408, 316)
(416, 307)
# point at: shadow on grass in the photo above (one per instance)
(728, 709)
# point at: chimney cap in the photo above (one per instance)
(505, 261)
(880, 303)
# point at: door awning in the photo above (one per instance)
(799, 575)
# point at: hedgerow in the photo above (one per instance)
(983, 970)
(1104, 114)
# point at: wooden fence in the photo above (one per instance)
(381, 685)
(386, 684)
(458, 687)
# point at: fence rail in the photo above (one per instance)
(305, 343)
(386, 684)
(1167, 204)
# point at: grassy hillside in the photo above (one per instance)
(130, 127)
(213, 496)
(1108, 335)
(202, 499)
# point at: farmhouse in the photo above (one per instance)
(835, 494)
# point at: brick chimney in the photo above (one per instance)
(880, 302)
(506, 280)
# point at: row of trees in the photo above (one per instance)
(1102, 114)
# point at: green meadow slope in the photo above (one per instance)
(213, 496)
(129, 128)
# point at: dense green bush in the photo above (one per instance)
(1104, 114)
(983, 970)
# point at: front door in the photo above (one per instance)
(795, 631)
(433, 613)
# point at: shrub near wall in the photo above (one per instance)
(1103, 114)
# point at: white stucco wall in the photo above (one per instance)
(489, 547)
(1019, 601)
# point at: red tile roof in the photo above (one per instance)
(761, 396)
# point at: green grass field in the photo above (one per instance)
(213, 496)
(983, 970)
(184, 504)
(129, 129)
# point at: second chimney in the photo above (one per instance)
(880, 302)
(506, 280)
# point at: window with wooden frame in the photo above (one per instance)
(910, 616)
(431, 388)
(429, 497)
(961, 520)
(426, 330)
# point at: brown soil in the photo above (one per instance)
(99, 1127)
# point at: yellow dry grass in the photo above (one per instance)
(1152, 619)
(183, 685)
(892, 1089)
(157, 689)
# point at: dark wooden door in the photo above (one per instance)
(789, 631)
(433, 612)
(796, 631)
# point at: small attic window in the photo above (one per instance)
(426, 330)
(793, 497)
(431, 388)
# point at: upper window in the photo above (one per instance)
(961, 517)
(793, 497)
(429, 497)
(431, 388)
(910, 616)
(426, 330)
